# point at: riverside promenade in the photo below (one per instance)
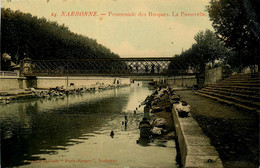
(232, 131)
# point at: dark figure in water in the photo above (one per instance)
(126, 120)
(112, 134)
(145, 128)
(144, 121)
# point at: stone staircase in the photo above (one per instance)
(240, 90)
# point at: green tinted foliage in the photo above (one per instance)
(207, 49)
(236, 23)
(39, 38)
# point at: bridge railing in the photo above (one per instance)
(8, 73)
(120, 66)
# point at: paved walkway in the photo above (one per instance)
(233, 132)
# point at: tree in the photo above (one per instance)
(43, 39)
(236, 22)
(208, 47)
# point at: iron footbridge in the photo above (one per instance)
(159, 66)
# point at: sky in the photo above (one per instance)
(140, 35)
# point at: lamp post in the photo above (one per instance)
(67, 71)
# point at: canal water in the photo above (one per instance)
(74, 131)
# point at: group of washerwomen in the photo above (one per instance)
(55, 92)
(61, 91)
(52, 92)
(182, 107)
(145, 127)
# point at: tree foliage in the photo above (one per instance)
(236, 22)
(38, 38)
(206, 49)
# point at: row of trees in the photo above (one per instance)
(237, 23)
(38, 38)
(206, 49)
(236, 40)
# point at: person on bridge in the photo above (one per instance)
(131, 68)
(136, 67)
(158, 69)
(152, 71)
(146, 69)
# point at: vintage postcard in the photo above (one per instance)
(129, 83)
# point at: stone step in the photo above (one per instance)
(241, 90)
(238, 87)
(243, 78)
(227, 101)
(257, 75)
(230, 92)
(236, 91)
(239, 81)
(236, 84)
(232, 98)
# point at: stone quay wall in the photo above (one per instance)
(16, 82)
(195, 148)
(184, 81)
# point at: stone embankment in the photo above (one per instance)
(8, 96)
(195, 148)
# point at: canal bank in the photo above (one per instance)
(12, 81)
(8, 96)
(195, 148)
(14, 87)
(232, 131)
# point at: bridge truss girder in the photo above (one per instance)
(115, 67)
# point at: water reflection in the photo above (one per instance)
(78, 127)
(144, 141)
